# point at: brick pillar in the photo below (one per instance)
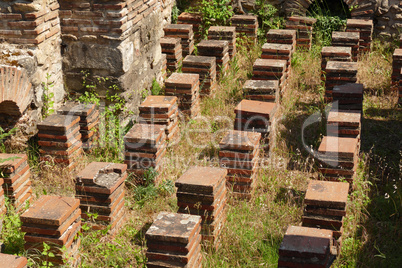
(55, 221)
(15, 174)
(100, 189)
(325, 205)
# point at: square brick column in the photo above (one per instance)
(347, 39)
(348, 96)
(365, 28)
(192, 19)
(325, 205)
(338, 158)
(338, 73)
(277, 36)
(185, 33)
(227, 33)
(217, 49)
(205, 67)
(344, 123)
(145, 146)
(89, 121)
(60, 139)
(239, 153)
(56, 221)
(246, 25)
(255, 116)
(173, 240)
(100, 189)
(186, 87)
(307, 247)
(266, 69)
(202, 191)
(278, 52)
(262, 90)
(304, 27)
(16, 184)
(171, 46)
(163, 111)
(13, 261)
(335, 54)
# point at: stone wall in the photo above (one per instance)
(118, 40)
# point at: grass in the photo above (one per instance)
(255, 229)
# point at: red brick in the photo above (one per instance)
(12, 261)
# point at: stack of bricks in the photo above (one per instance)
(186, 87)
(307, 247)
(217, 49)
(145, 145)
(163, 111)
(365, 28)
(255, 116)
(205, 67)
(266, 69)
(325, 205)
(278, 52)
(15, 175)
(246, 25)
(396, 66)
(89, 121)
(344, 123)
(347, 39)
(102, 19)
(335, 54)
(287, 37)
(202, 191)
(185, 33)
(239, 154)
(348, 96)
(100, 189)
(338, 157)
(55, 221)
(193, 19)
(60, 139)
(262, 90)
(23, 26)
(338, 73)
(174, 240)
(304, 27)
(13, 261)
(227, 33)
(171, 46)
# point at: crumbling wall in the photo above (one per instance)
(118, 40)
(30, 39)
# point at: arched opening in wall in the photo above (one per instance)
(9, 115)
(331, 8)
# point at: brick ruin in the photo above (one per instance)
(118, 40)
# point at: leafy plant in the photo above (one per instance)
(46, 253)
(48, 102)
(156, 88)
(268, 18)
(214, 12)
(4, 135)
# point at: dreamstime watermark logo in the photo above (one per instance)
(331, 155)
(145, 135)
